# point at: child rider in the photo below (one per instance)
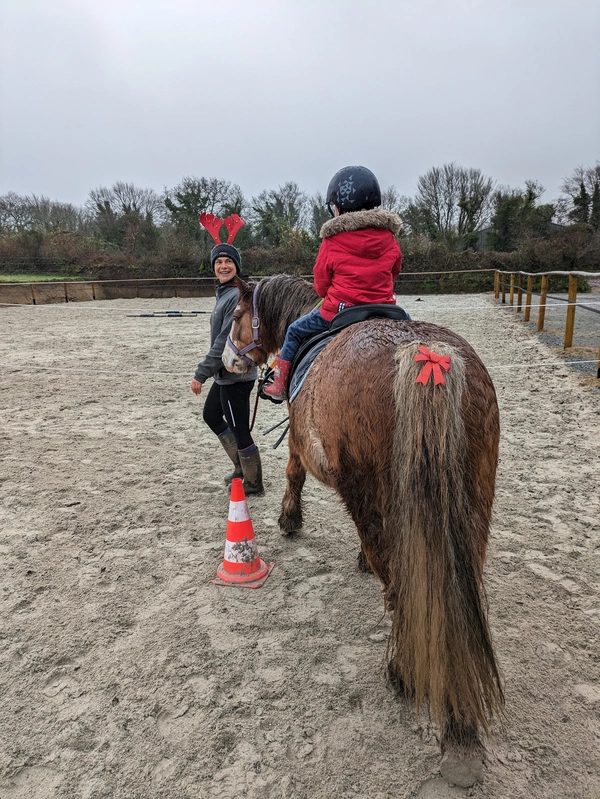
(357, 263)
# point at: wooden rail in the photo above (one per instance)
(500, 284)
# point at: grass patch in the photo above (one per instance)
(40, 278)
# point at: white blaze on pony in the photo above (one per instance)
(401, 419)
(231, 361)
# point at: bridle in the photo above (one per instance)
(256, 344)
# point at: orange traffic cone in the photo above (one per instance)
(241, 564)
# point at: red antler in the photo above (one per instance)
(213, 224)
(233, 223)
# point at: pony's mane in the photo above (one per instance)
(281, 300)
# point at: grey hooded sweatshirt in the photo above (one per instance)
(220, 325)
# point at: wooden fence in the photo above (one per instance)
(41, 293)
(514, 285)
(86, 290)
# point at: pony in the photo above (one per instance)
(414, 464)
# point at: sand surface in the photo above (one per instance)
(126, 674)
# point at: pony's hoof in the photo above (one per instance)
(289, 526)
(362, 563)
(461, 771)
(398, 684)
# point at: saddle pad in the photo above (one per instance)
(310, 348)
(303, 366)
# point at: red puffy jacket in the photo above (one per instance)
(358, 260)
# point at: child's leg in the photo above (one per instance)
(307, 325)
(299, 330)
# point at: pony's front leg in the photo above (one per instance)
(291, 506)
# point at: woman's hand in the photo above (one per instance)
(196, 386)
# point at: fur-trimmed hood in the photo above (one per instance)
(357, 220)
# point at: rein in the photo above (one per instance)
(256, 343)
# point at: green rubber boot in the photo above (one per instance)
(252, 469)
(229, 444)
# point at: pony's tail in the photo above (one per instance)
(440, 648)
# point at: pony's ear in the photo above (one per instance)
(245, 289)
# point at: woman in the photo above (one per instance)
(227, 406)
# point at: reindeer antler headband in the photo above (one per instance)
(213, 225)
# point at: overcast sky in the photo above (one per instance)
(264, 91)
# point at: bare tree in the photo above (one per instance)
(453, 201)
(273, 212)
(15, 212)
(580, 200)
(125, 198)
(586, 176)
(392, 200)
(52, 215)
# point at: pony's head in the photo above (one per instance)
(244, 349)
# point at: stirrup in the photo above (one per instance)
(268, 380)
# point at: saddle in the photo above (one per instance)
(311, 347)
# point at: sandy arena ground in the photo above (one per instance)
(125, 674)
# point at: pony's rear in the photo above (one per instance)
(415, 465)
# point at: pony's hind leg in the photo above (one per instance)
(463, 752)
(291, 506)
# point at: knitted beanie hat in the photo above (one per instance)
(226, 251)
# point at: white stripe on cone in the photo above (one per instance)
(238, 511)
(241, 551)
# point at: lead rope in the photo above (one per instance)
(261, 383)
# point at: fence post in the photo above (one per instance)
(512, 289)
(542, 307)
(570, 323)
(32, 293)
(504, 289)
(519, 292)
(528, 298)
(496, 284)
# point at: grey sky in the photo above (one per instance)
(264, 91)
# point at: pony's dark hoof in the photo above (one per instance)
(362, 563)
(461, 771)
(288, 525)
(397, 683)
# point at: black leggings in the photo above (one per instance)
(229, 407)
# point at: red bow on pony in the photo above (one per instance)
(434, 364)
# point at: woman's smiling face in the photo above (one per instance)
(224, 269)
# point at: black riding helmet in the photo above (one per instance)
(353, 188)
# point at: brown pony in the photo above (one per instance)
(415, 466)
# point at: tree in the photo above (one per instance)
(186, 201)
(586, 175)
(595, 207)
(577, 193)
(451, 203)
(318, 214)
(50, 215)
(517, 215)
(392, 200)
(278, 212)
(580, 212)
(126, 216)
(15, 212)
